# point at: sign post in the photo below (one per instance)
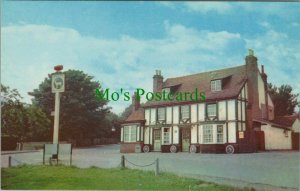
(58, 85)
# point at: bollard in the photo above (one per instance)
(122, 161)
(9, 161)
(157, 168)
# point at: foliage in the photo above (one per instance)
(72, 178)
(19, 120)
(13, 114)
(82, 117)
(39, 125)
(283, 98)
(127, 111)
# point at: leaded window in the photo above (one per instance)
(161, 114)
(219, 133)
(212, 110)
(185, 112)
(208, 133)
(216, 85)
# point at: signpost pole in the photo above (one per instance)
(56, 118)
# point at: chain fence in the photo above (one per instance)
(155, 162)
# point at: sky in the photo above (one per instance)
(121, 44)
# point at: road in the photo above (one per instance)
(263, 171)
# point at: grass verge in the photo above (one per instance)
(73, 178)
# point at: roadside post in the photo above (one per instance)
(58, 86)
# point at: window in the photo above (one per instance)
(166, 135)
(130, 133)
(185, 112)
(219, 133)
(212, 110)
(161, 114)
(215, 85)
(167, 90)
(126, 134)
(208, 133)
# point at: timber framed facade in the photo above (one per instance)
(231, 119)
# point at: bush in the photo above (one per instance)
(8, 143)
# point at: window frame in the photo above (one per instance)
(189, 112)
(208, 134)
(216, 112)
(220, 141)
(166, 134)
(164, 112)
(129, 129)
(216, 85)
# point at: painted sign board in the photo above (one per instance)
(58, 82)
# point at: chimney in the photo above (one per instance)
(136, 103)
(157, 81)
(251, 60)
(253, 109)
(265, 79)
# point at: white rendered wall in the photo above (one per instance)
(175, 135)
(175, 114)
(222, 110)
(231, 110)
(147, 116)
(169, 115)
(276, 139)
(194, 134)
(194, 113)
(232, 132)
(201, 112)
(153, 116)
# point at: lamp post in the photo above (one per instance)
(58, 85)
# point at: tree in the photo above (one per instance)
(38, 124)
(13, 114)
(283, 98)
(22, 121)
(127, 111)
(81, 115)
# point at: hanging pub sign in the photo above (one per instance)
(58, 82)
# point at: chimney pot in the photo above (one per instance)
(157, 81)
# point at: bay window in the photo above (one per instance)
(130, 133)
(219, 133)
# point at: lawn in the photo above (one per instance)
(73, 178)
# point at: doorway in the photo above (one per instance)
(185, 139)
(157, 139)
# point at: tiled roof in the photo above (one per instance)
(287, 120)
(235, 78)
(272, 123)
(136, 116)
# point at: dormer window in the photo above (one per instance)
(216, 85)
(167, 90)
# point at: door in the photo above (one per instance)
(157, 139)
(185, 139)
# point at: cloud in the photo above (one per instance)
(206, 7)
(279, 53)
(30, 51)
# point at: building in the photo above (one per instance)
(237, 115)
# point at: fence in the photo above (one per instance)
(17, 161)
(156, 163)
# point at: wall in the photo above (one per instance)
(275, 138)
(296, 126)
